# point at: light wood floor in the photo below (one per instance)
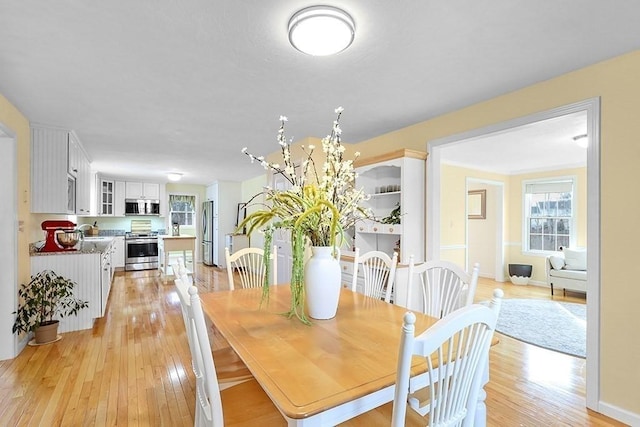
(133, 368)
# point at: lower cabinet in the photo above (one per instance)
(105, 280)
(117, 254)
(346, 266)
(91, 273)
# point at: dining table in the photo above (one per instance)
(324, 373)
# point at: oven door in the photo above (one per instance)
(141, 254)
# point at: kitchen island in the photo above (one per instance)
(90, 267)
(167, 245)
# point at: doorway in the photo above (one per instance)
(9, 250)
(592, 109)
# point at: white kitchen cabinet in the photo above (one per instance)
(83, 187)
(74, 154)
(90, 270)
(107, 197)
(142, 190)
(117, 255)
(105, 279)
(392, 180)
(119, 196)
(49, 177)
(164, 201)
(346, 267)
(53, 189)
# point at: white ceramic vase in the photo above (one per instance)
(322, 279)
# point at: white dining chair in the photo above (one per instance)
(250, 265)
(378, 272)
(241, 405)
(439, 287)
(456, 351)
(231, 369)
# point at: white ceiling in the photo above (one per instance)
(540, 146)
(152, 86)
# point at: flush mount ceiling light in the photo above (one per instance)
(173, 176)
(321, 30)
(581, 140)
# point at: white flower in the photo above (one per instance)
(244, 150)
(284, 119)
(338, 110)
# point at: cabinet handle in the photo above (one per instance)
(375, 228)
(390, 229)
(361, 228)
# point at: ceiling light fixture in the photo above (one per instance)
(581, 140)
(321, 30)
(174, 176)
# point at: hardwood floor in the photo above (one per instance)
(133, 367)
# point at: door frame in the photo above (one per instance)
(10, 346)
(592, 107)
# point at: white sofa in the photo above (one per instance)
(567, 270)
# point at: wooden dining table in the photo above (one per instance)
(320, 374)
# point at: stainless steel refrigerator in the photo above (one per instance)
(209, 234)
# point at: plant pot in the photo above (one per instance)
(322, 282)
(47, 332)
(520, 273)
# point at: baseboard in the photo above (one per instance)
(619, 414)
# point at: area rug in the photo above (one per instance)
(558, 326)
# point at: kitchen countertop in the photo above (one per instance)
(90, 245)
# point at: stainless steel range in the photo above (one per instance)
(141, 251)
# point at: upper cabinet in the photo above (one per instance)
(74, 155)
(112, 193)
(142, 190)
(83, 187)
(396, 184)
(60, 172)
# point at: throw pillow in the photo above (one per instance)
(557, 262)
(575, 259)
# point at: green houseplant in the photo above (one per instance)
(45, 296)
(318, 207)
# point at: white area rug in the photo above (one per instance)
(558, 326)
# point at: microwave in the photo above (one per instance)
(141, 207)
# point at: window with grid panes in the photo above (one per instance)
(549, 215)
(182, 209)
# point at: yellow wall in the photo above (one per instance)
(452, 214)
(513, 253)
(18, 125)
(616, 83)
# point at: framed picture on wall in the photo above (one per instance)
(477, 204)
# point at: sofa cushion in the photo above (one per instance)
(569, 274)
(575, 259)
(557, 261)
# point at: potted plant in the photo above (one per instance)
(318, 208)
(45, 296)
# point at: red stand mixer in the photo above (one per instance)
(68, 236)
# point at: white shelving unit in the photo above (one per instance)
(396, 178)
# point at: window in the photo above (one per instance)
(182, 209)
(548, 214)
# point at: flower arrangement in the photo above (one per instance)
(318, 208)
